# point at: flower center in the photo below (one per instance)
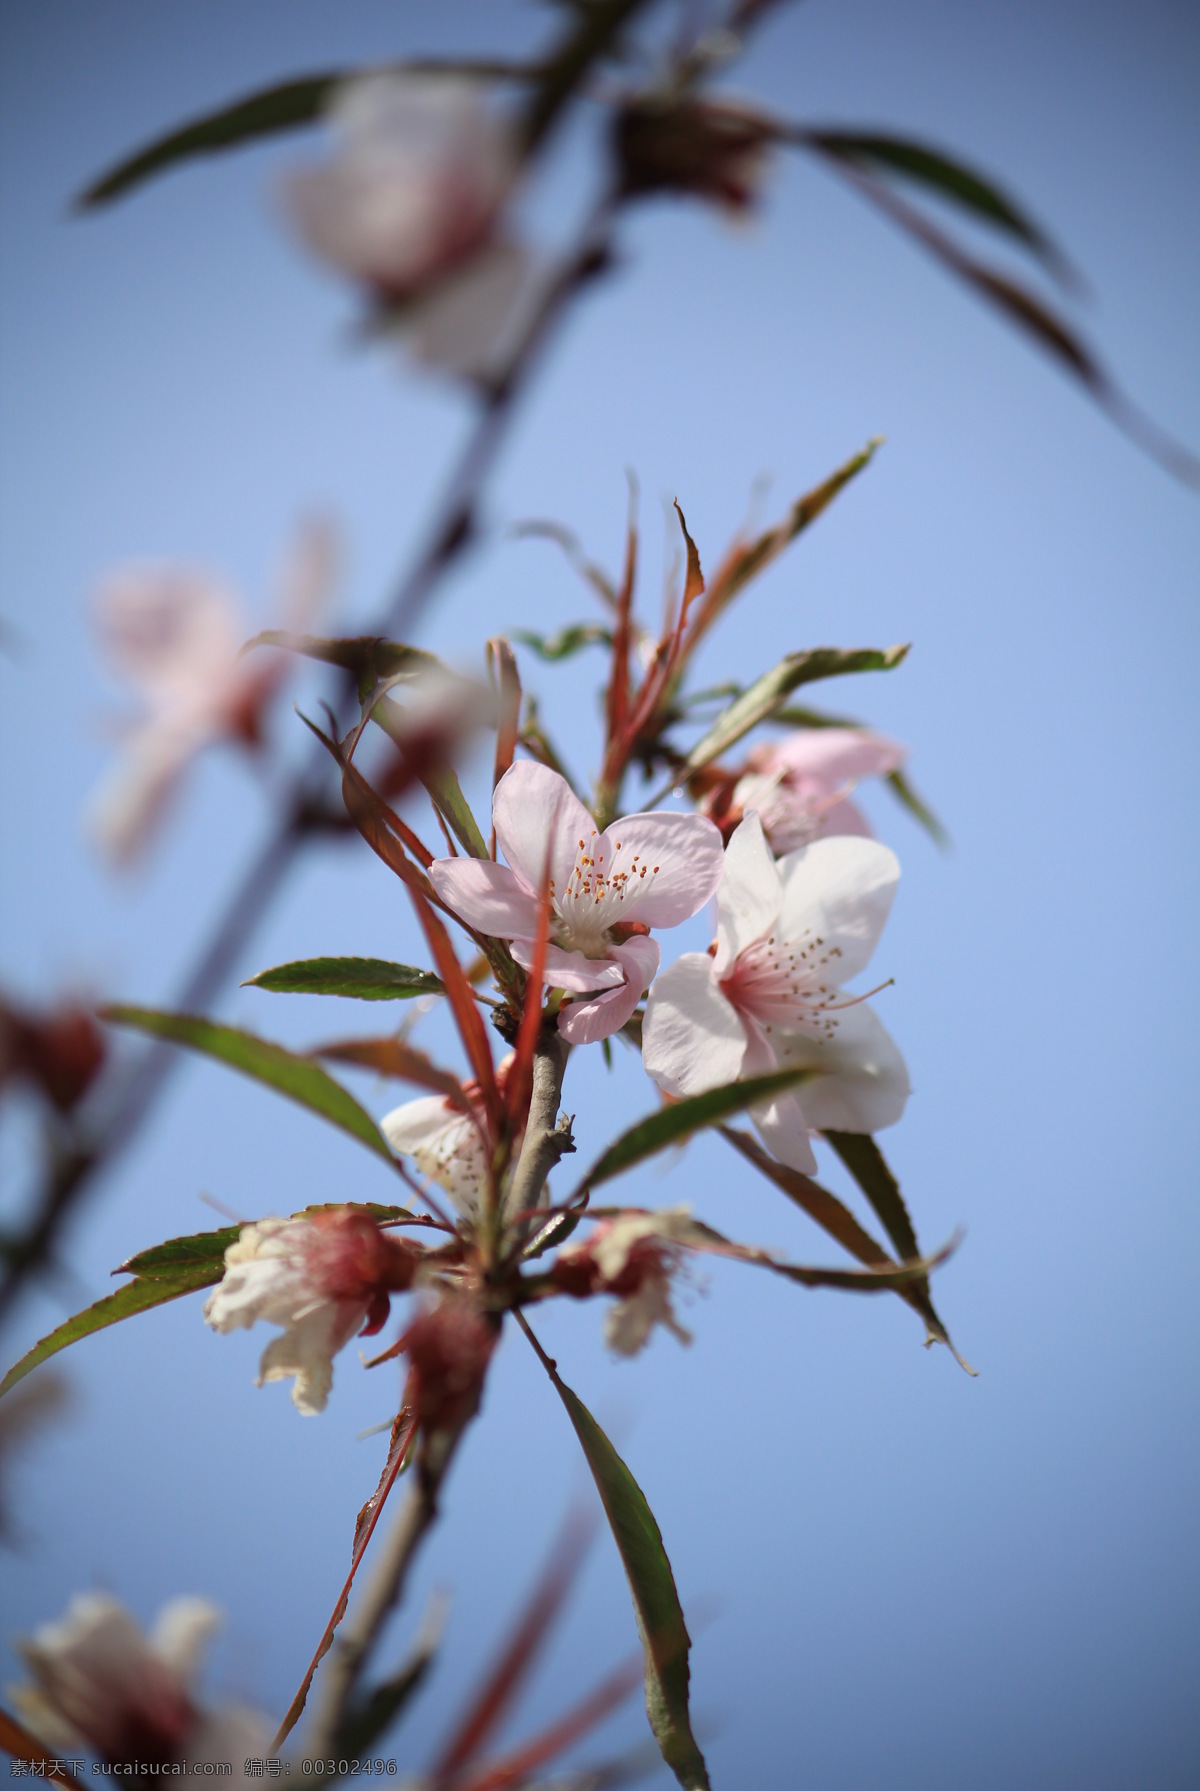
(787, 983)
(593, 900)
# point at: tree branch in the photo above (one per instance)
(548, 1136)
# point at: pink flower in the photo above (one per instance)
(411, 206)
(323, 1279)
(99, 1682)
(788, 935)
(634, 1257)
(175, 634)
(801, 786)
(606, 891)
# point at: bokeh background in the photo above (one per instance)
(901, 1576)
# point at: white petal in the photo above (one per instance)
(417, 1125)
(171, 631)
(308, 573)
(783, 1128)
(683, 857)
(128, 808)
(306, 1350)
(182, 1633)
(628, 1324)
(487, 896)
(692, 1038)
(535, 811)
(838, 891)
(865, 1086)
(751, 892)
(470, 321)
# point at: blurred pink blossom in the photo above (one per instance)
(412, 206)
(175, 635)
(801, 786)
(99, 1682)
(634, 1257)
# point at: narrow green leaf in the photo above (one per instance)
(138, 1296)
(360, 979)
(383, 1704)
(765, 696)
(951, 180)
(747, 559)
(298, 1078)
(567, 642)
(670, 1125)
(202, 1250)
(865, 1161)
(288, 106)
(665, 1640)
(907, 797)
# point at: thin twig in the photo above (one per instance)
(357, 1640)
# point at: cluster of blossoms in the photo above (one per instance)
(768, 994)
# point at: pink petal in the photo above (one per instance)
(535, 811)
(583, 1022)
(682, 858)
(486, 895)
(692, 1039)
(835, 756)
(865, 1083)
(571, 969)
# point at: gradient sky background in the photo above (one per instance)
(911, 1579)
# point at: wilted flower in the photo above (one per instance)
(323, 1279)
(606, 891)
(99, 1682)
(633, 1257)
(175, 634)
(449, 1346)
(801, 786)
(788, 936)
(411, 207)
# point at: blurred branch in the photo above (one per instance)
(122, 1103)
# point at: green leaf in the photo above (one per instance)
(285, 107)
(201, 1251)
(288, 106)
(670, 1125)
(298, 1078)
(138, 1296)
(383, 1704)
(567, 642)
(907, 797)
(665, 1640)
(865, 1161)
(951, 180)
(360, 979)
(370, 659)
(765, 696)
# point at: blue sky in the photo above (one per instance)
(912, 1578)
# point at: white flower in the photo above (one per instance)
(634, 1257)
(175, 634)
(98, 1681)
(446, 1146)
(412, 205)
(323, 1279)
(606, 891)
(788, 935)
(801, 786)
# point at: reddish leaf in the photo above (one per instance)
(503, 1775)
(618, 689)
(520, 1076)
(364, 1529)
(391, 1057)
